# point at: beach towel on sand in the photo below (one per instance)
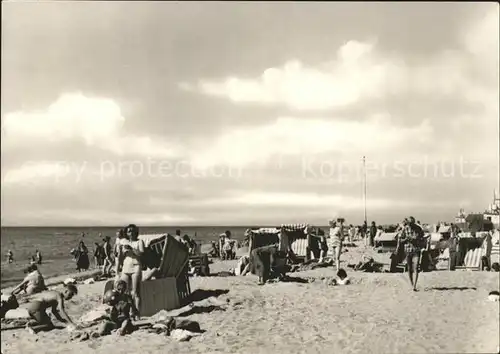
(95, 314)
(183, 335)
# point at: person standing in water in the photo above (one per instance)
(412, 238)
(82, 260)
(38, 256)
(10, 257)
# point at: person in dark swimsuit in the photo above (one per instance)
(53, 300)
(123, 307)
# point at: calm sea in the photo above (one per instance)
(55, 244)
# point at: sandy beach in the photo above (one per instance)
(377, 313)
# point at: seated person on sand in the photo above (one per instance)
(342, 278)
(243, 266)
(33, 283)
(368, 265)
(192, 269)
(53, 300)
(122, 307)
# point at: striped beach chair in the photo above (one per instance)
(495, 254)
(297, 238)
(263, 236)
(472, 259)
(290, 237)
(473, 256)
(171, 288)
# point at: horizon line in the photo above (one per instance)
(189, 225)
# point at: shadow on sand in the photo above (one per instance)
(450, 288)
(289, 279)
(201, 294)
(200, 310)
(8, 327)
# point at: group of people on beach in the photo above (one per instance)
(33, 292)
(126, 252)
(33, 259)
(411, 243)
(225, 247)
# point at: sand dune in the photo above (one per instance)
(376, 314)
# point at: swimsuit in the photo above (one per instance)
(336, 237)
(132, 263)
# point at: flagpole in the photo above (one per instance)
(364, 183)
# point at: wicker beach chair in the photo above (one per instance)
(292, 238)
(171, 288)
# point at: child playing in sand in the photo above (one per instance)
(122, 308)
(39, 303)
(342, 278)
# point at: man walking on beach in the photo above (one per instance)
(412, 237)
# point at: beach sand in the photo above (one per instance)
(377, 313)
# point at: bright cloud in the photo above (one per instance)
(314, 200)
(361, 71)
(357, 73)
(294, 136)
(96, 122)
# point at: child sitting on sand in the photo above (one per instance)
(123, 307)
(342, 278)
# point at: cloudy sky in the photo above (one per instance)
(247, 113)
